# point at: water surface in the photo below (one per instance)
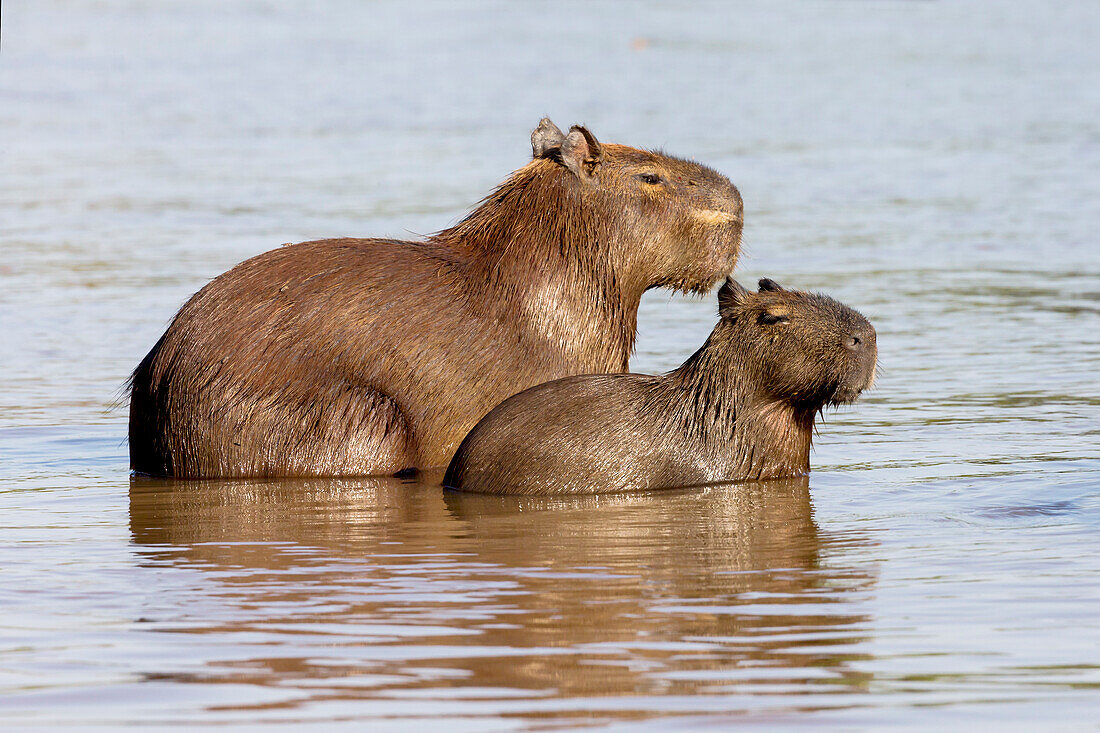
(932, 164)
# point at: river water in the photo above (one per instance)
(933, 164)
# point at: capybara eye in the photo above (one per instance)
(651, 178)
(770, 318)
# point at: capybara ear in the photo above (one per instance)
(730, 295)
(768, 285)
(546, 139)
(581, 152)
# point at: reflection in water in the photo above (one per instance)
(380, 588)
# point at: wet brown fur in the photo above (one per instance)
(741, 408)
(372, 356)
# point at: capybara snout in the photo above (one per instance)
(803, 347)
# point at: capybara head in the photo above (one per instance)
(679, 223)
(804, 349)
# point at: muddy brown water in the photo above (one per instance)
(932, 164)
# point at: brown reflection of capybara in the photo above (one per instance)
(231, 518)
(741, 408)
(371, 356)
(305, 587)
(739, 570)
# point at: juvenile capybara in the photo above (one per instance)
(741, 408)
(372, 356)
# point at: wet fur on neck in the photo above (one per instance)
(713, 401)
(537, 244)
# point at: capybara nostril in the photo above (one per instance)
(861, 338)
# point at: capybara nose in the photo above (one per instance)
(862, 339)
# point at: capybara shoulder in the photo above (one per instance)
(741, 408)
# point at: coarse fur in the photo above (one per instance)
(373, 356)
(741, 408)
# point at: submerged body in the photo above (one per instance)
(741, 408)
(372, 356)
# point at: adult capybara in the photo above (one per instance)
(372, 356)
(741, 408)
